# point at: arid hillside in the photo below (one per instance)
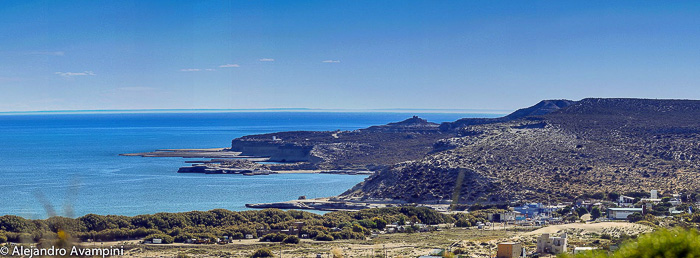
(584, 147)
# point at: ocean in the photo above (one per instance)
(69, 164)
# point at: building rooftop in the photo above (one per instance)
(625, 209)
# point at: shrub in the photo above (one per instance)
(237, 235)
(581, 211)
(460, 251)
(462, 223)
(365, 223)
(337, 253)
(572, 217)
(595, 213)
(324, 237)
(381, 223)
(634, 217)
(274, 237)
(291, 240)
(646, 223)
(264, 252)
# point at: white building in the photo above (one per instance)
(625, 201)
(622, 213)
(676, 200)
(503, 217)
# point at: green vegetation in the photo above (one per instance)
(662, 243)
(209, 225)
(291, 240)
(595, 213)
(324, 237)
(274, 237)
(262, 253)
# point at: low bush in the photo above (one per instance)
(291, 240)
(264, 252)
(324, 237)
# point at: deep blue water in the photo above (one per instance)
(72, 159)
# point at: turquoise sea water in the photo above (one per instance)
(71, 160)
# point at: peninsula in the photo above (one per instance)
(556, 150)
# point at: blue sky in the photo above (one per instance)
(77, 55)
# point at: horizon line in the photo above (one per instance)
(232, 110)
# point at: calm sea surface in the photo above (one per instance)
(72, 160)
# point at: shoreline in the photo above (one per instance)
(335, 204)
(209, 153)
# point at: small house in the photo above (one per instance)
(622, 213)
(510, 250)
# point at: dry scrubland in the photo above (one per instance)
(478, 243)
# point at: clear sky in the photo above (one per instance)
(73, 55)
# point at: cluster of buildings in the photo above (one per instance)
(530, 214)
(626, 205)
(541, 214)
(549, 244)
(294, 229)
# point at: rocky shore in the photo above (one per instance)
(248, 168)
